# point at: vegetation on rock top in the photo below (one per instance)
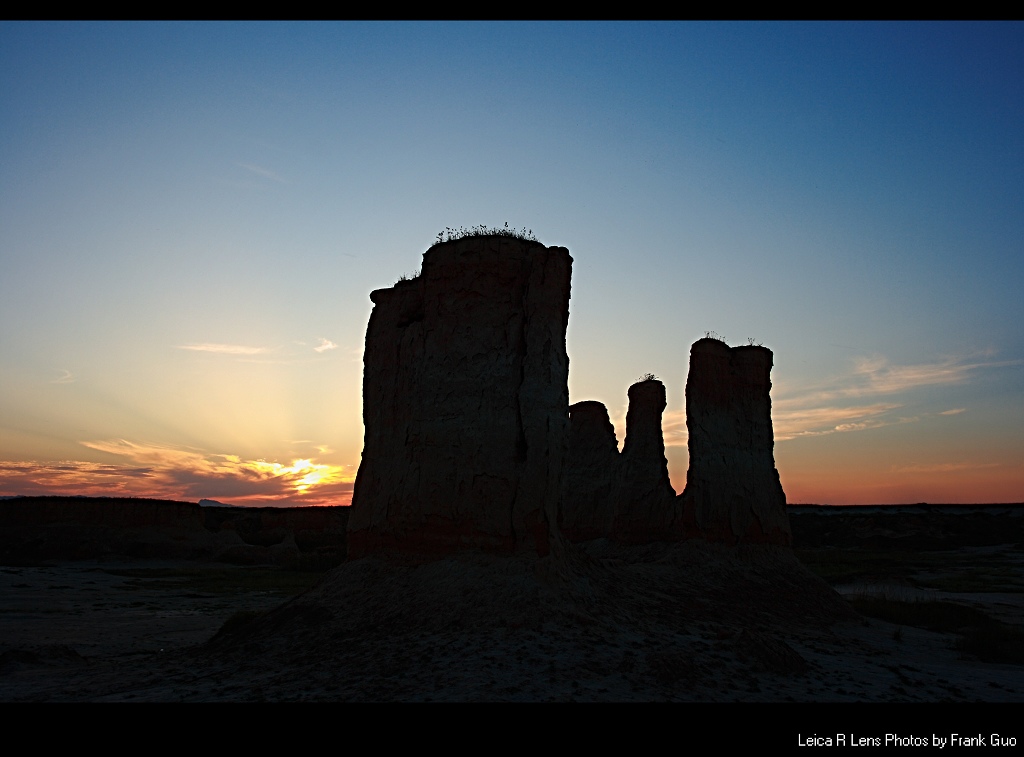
(450, 234)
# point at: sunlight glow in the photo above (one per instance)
(169, 472)
(301, 474)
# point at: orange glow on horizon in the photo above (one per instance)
(163, 472)
(312, 474)
(981, 484)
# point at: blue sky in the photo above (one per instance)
(192, 216)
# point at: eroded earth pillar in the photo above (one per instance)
(465, 403)
(733, 493)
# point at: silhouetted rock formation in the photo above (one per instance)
(733, 493)
(468, 442)
(646, 497)
(627, 497)
(592, 474)
(465, 402)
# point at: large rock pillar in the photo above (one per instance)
(733, 493)
(465, 402)
(645, 495)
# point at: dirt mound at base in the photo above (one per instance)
(595, 622)
(599, 583)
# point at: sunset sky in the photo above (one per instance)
(193, 215)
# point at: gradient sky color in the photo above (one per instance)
(193, 215)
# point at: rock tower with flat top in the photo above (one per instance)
(465, 403)
(646, 497)
(733, 493)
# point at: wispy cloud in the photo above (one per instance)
(224, 349)
(77, 477)
(825, 408)
(279, 355)
(940, 467)
(790, 419)
(872, 376)
(67, 378)
(323, 449)
(673, 427)
(169, 472)
(260, 171)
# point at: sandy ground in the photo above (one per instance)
(684, 624)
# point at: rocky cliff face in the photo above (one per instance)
(733, 493)
(465, 402)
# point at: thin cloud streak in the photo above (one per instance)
(72, 477)
(266, 173)
(882, 378)
(941, 467)
(818, 410)
(673, 425)
(224, 349)
(793, 421)
(874, 376)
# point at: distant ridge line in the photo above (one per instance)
(910, 504)
(1013, 508)
(204, 503)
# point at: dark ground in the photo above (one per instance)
(679, 623)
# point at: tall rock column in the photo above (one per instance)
(645, 495)
(733, 493)
(465, 402)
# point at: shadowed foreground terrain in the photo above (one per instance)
(691, 621)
